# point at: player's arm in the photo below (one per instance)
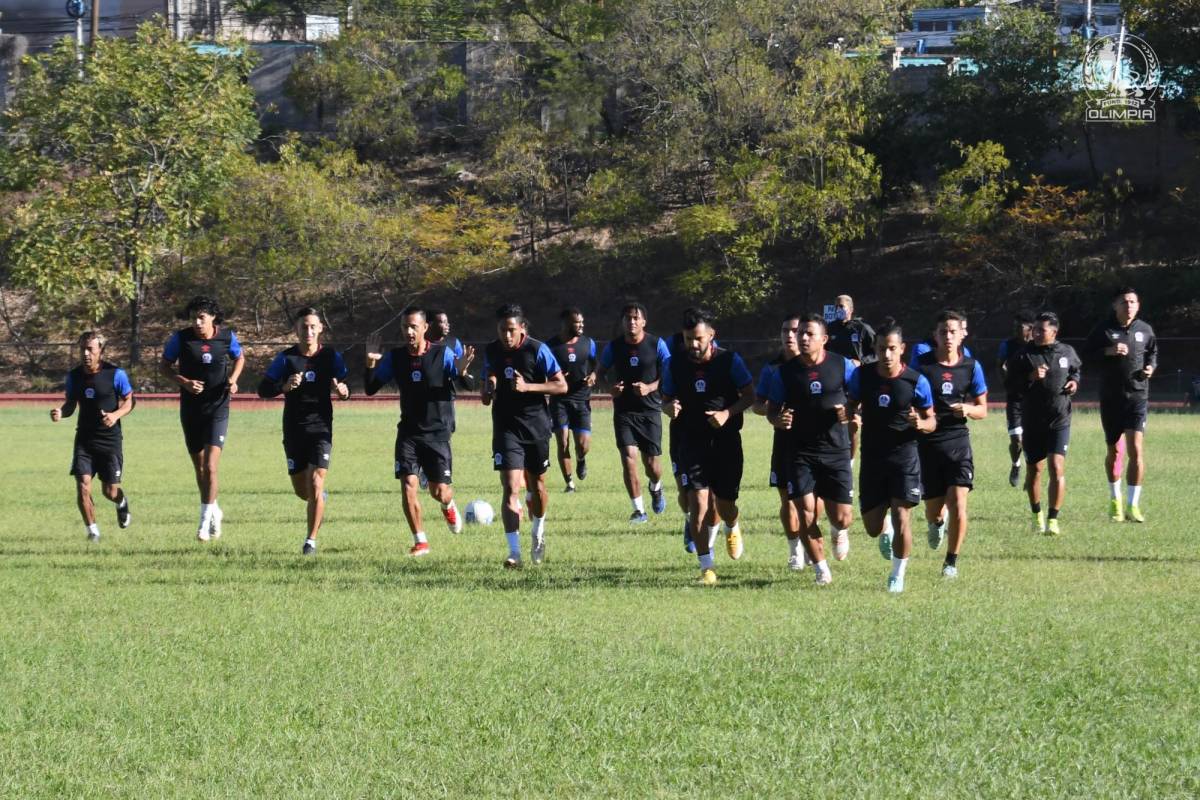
(68, 406)
(378, 370)
(1150, 356)
(239, 362)
(125, 403)
(275, 381)
(555, 382)
(760, 391)
(169, 367)
(745, 400)
(1074, 372)
(339, 386)
(977, 408)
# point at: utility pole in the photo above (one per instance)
(95, 23)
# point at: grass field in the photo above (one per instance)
(154, 666)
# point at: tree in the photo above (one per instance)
(971, 196)
(122, 155)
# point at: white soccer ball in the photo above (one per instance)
(480, 512)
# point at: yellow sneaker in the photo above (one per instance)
(733, 541)
(1135, 514)
(1039, 523)
(1115, 512)
(1052, 528)
(708, 577)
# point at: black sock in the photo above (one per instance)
(951, 559)
(121, 499)
(1053, 513)
(1035, 508)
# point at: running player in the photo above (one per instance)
(1010, 348)
(1130, 356)
(713, 389)
(518, 373)
(206, 361)
(947, 463)
(102, 393)
(423, 373)
(439, 333)
(929, 344)
(572, 413)
(1049, 371)
(789, 349)
(807, 398)
(677, 349)
(305, 374)
(897, 406)
(639, 360)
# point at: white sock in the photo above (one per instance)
(93, 529)
(514, 543)
(1134, 494)
(852, 465)
(124, 501)
(888, 528)
(419, 537)
(794, 548)
(656, 486)
(898, 567)
(706, 561)
(712, 536)
(836, 532)
(821, 566)
(206, 514)
(539, 526)
(1114, 489)
(639, 505)
(1017, 463)
(311, 541)
(448, 506)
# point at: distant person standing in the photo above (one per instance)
(1050, 372)
(306, 374)
(205, 360)
(571, 413)
(852, 338)
(1010, 348)
(638, 360)
(102, 394)
(1129, 353)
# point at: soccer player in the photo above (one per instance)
(103, 395)
(678, 349)
(1130, 356)
(305, 374)
(1049, 371)
(807, 398)
(947, 462)
(206, 361)
(639, 360)
(713, 388)
(439, 333)
(518, 373)
(852, 338)
(929, 344)
(1009, 349)
(897, 406)
(789, 349)
(572, 413)
(423, 373)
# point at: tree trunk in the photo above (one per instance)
(135, 311)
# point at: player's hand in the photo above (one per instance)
(783, 420)
(293, 382)
(468, 356)
(233, 387)
(618, 389)
(914, 419)
(717, 419)
(1071, 388)
(1146, 372)
(518, 383)
(374, 349)
(640, 388)
(55, 414)
(192, 387)
(487, 390)
(107, 419)
(842, 417)
(343, 391)
(854, 424)
(1040, 372)
(1119, 349)
(959, 410)
(590, 380)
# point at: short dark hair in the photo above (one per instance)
(306, 311)
(888, 327)
(634, 306)
(792, 315)
(1049, 317)
(811, 317)
(569, 313)
(1023, 317)
(695, 316)
(1124, 290)
(203, 304)
(409, 310)
(947, 314)
(511, 311)
(432, 312)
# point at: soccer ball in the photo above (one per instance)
(480, 512)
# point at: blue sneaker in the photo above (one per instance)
(895, 585)
(658, 501)
(885, 546)
(638, 517)
(688, 544)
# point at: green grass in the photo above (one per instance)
(153, 666)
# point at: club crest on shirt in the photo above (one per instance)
(89, 393)
(947, 388)
(571, 357)
(1138, 336)
(509, 372)
(416, 375)
(1062, 362)
(815, 387)
(206, 358)
(634, 361)
(310, 376)
(701, 386)
(885, 400)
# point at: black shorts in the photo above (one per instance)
(202, 429)
(573, 414)
(885, 478)
(106, 460)
(826, 475)
(1012, 416)
(304, 449)
(415, 454)
(512, 451)
(640, 429)
(1120, 414)
(712, 462)
(778, 475)
(946, 464)
(1038, 443)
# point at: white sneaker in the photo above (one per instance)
(841, 545)
(214, 523)
(539, 548)
(202, 535)
(797, 563)
(824, 578)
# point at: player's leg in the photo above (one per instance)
(411, 482)
(901, 513)
(438, 464)
(583, 446)
(1013, 418)
(110, 466)
(87, 508)
(933, 481)
(1033, 489)
(810, 536)
(539, 503)
(633, 486)
(699, 502)
(654, 475)
(316, 501)
(956, 509)
(562, 441)
(512, 482)
(1056, 490)
(1135, 452)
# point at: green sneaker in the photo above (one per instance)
(885, 546)
(1052, 528)
(1135, 514)
(1039, 523)
(1115, 512)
